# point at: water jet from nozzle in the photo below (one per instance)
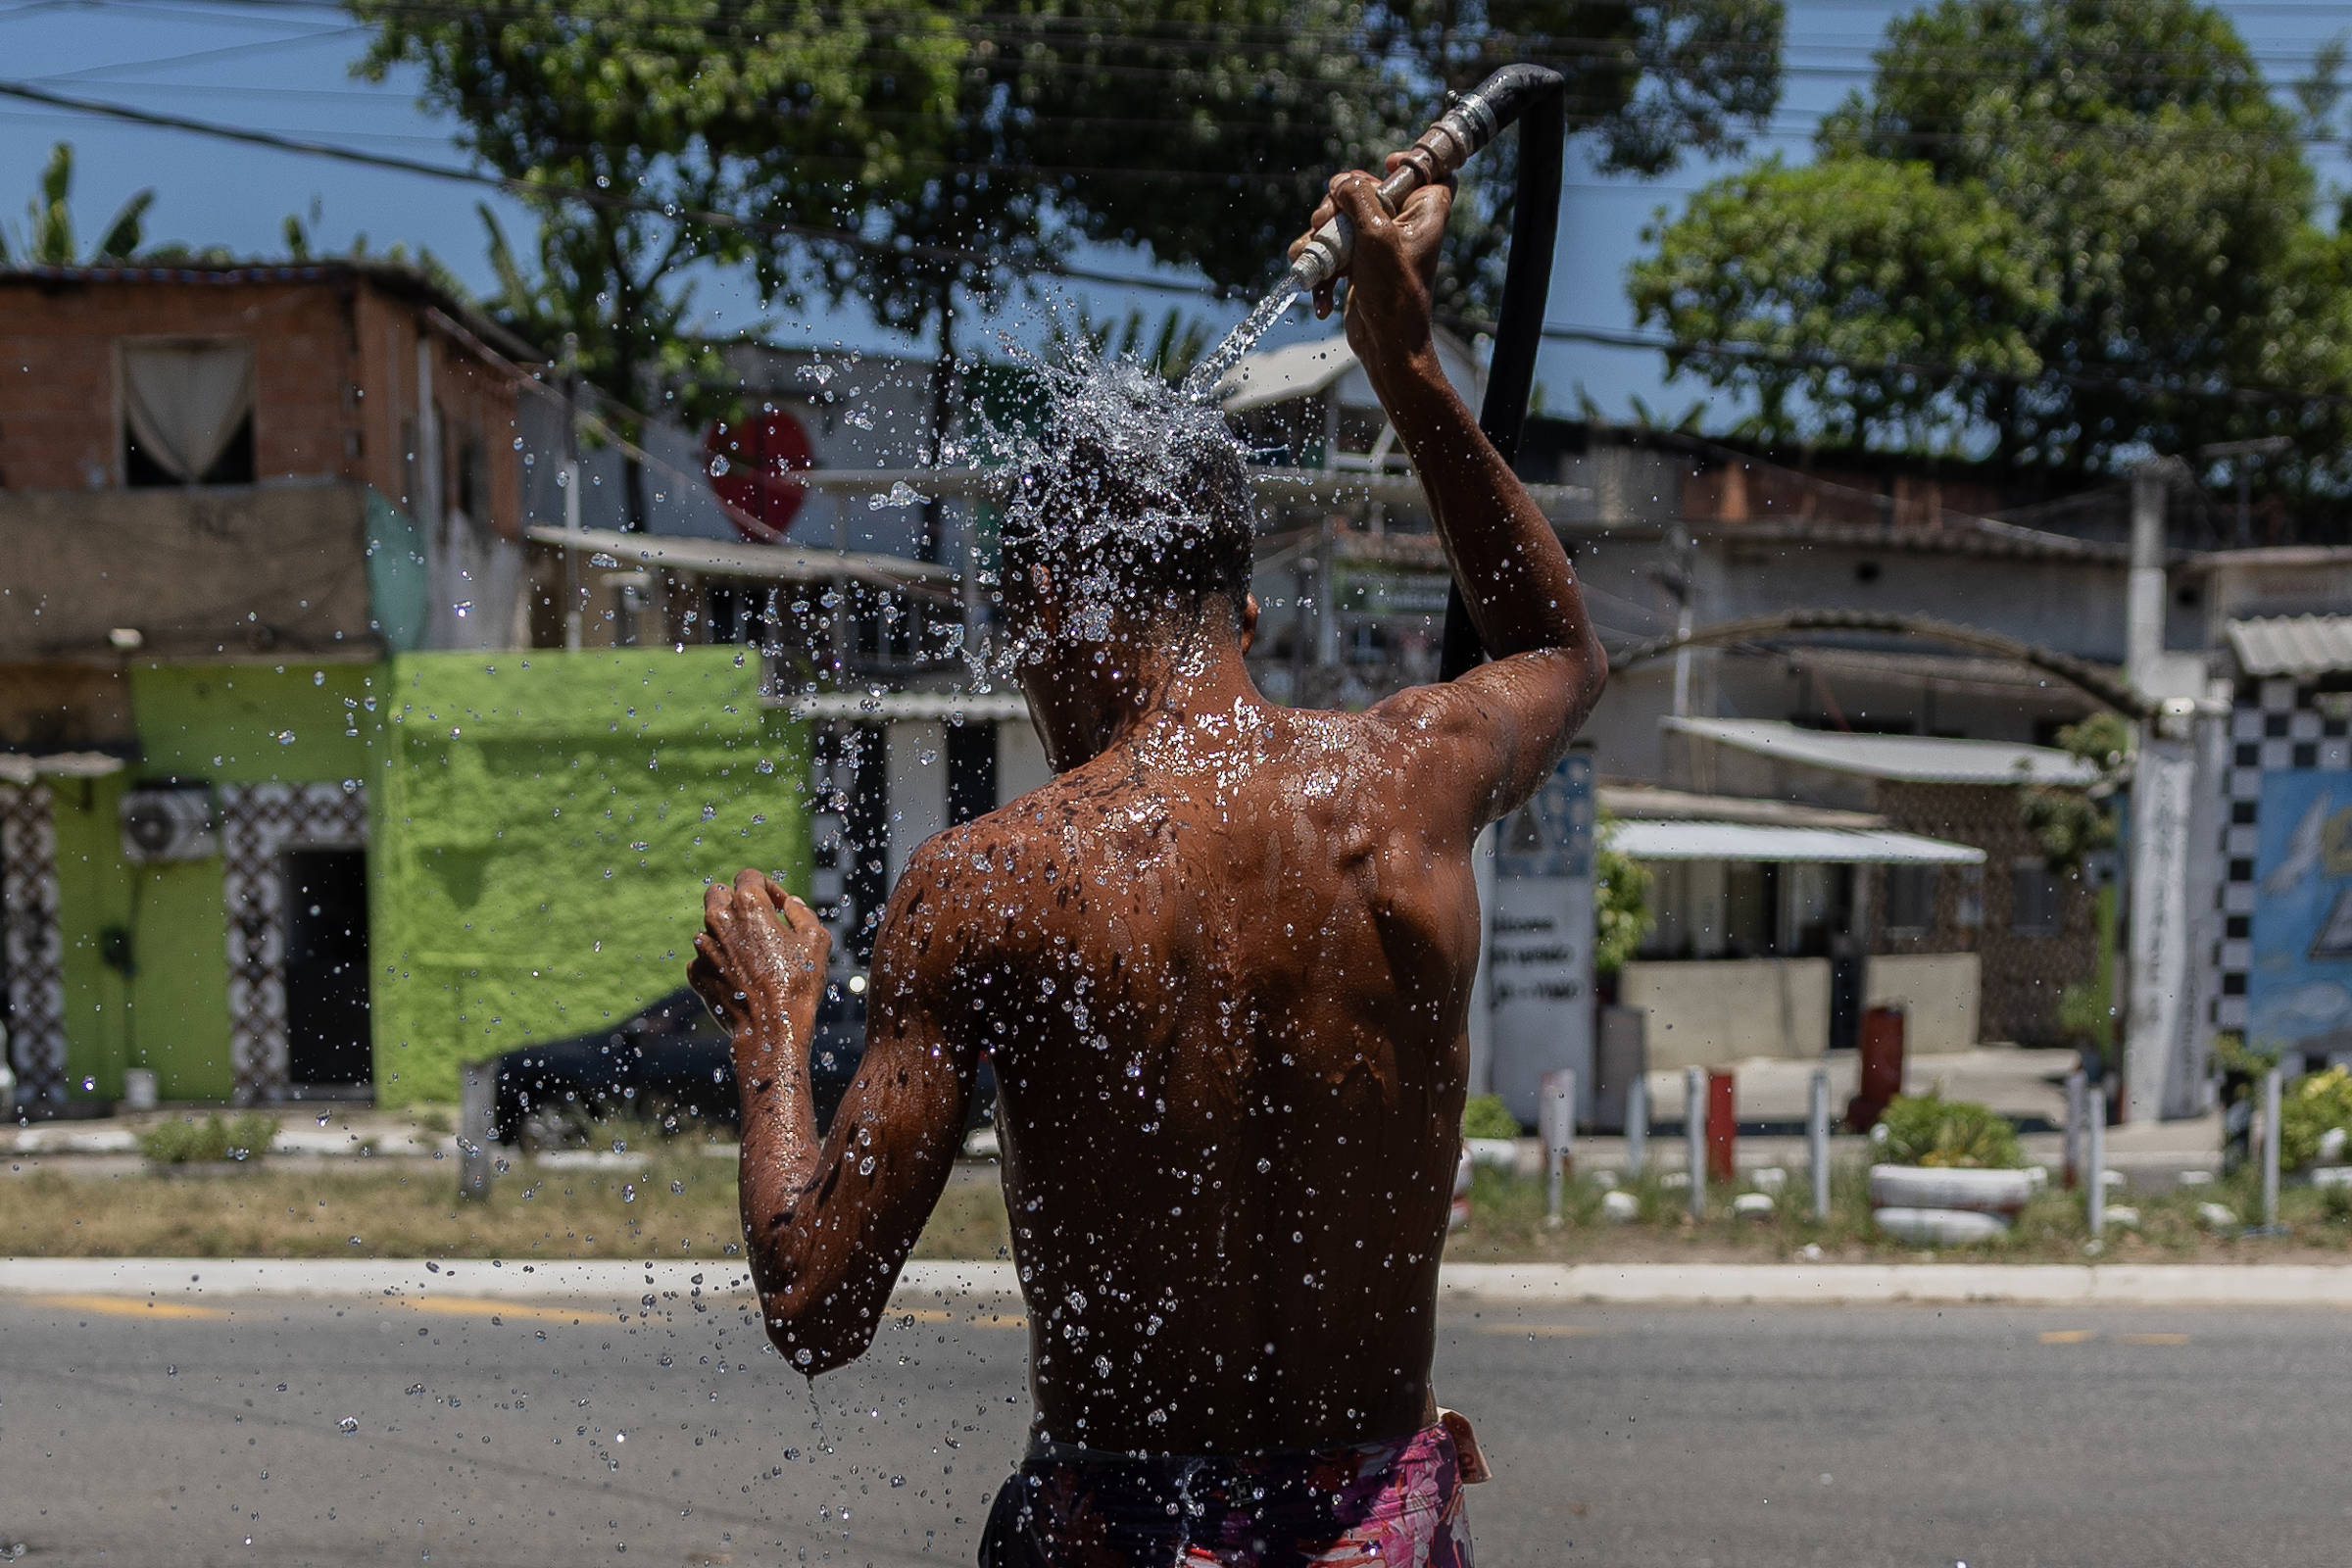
(1457, 136)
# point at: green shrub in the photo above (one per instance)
(188, 1140)
(2311, 1104)
(1931, 1130)
(1483, 1116)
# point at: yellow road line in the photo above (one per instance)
(2151, 1339)
(485, 1307)
(131, 1306)
(2069, 1336)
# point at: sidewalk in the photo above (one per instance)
(984, 1288)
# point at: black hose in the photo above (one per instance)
(1535, 98)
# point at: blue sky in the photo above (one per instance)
(286, 68)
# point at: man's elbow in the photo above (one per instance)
(812, 1338)
(1592, 678)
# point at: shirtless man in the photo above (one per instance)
(1222, 965)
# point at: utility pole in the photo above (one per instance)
(2174, 861)
(572, 610)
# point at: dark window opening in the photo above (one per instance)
(327, 1034)
(971, 771)
(2036, 907)
(1910, 898)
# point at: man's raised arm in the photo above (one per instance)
(827, 1226)
(1521, 591)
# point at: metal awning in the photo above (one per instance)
(1753, 841)
(1275, 486)
(2293, 644)
(1911, 758)
(1301, 370)
(767, 562)
(886, 706)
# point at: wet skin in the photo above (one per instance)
(1222, 966)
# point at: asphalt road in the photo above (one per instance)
(286, 1431)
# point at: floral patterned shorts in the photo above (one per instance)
(1392, 1505)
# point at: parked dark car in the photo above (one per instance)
(670, 1064)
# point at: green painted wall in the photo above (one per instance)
(544, 824)
(225, 724)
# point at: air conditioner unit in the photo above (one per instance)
(169, 823)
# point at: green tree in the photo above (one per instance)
(921, 154)
(48, 239)
(1620, 913)
(2085, 227)
(669, 110)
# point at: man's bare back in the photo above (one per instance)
(1221, 965)
(1227, 1025)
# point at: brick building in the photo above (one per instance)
(272, 824)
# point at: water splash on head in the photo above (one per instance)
(1129, 501)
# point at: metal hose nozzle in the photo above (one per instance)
(1455, 137)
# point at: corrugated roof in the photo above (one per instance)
(1654, 803)
(1911, 758)
(22, 768)
(888, 706)
(1755, 841)
(2293, 644)
(1301, 370)
(1958, 535)
(767, 563)
(396, 277)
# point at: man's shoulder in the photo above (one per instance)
(1012, 844)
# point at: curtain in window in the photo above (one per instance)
(185, 401)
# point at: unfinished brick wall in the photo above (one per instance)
(335, 369)
(2023, 971)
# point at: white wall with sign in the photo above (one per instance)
(1538, 942)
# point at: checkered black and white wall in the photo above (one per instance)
(2279, 725)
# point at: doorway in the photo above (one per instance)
(327, 1035)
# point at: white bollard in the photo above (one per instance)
(1816, 1140)
(1694, 1135)
(2272, 1084)
(1555, 1120)
(477, 1126)
(2094, 1182)
(2075, 1099)
(1637, 1124)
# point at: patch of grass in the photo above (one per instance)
(677, 1202)
(188, 1140)
(672, 1200)
(1931, 1130)
(1485, 1116)
(1507, 1225)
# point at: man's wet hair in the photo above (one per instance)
(1135, 501)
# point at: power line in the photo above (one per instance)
(541, 190)
(1801, 359)
(960, 254)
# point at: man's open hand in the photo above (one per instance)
(1392, 271)
(759, 960)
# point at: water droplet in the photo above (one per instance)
(900, 494)
(349, 1423)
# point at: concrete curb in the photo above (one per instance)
(1499, 1284)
